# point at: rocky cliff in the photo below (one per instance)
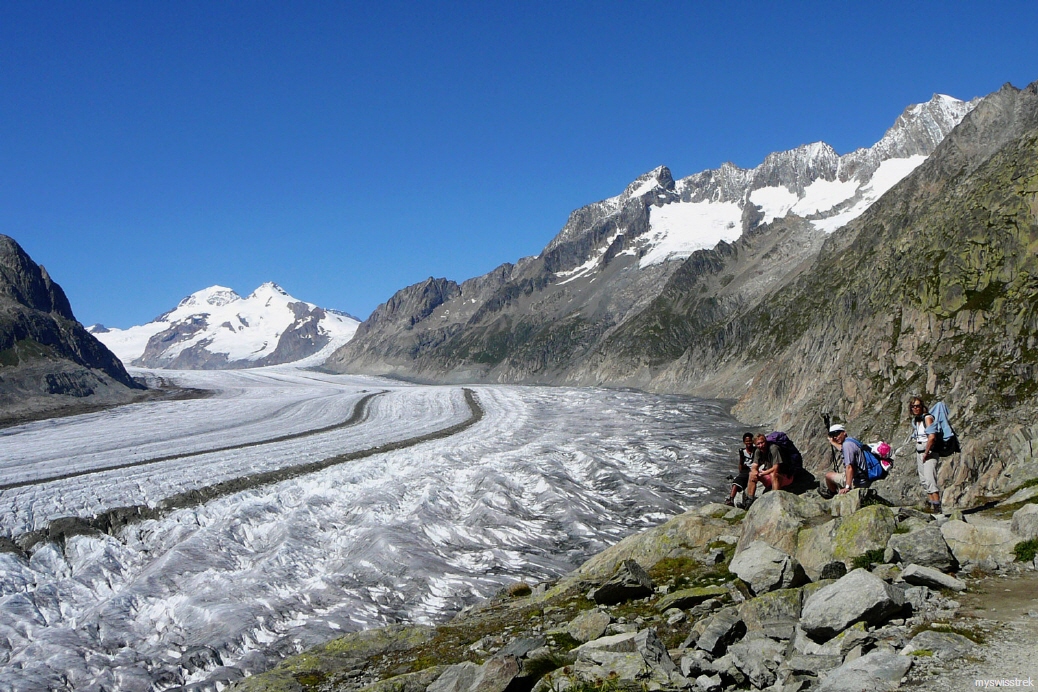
(48, 361)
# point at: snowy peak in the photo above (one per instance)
(217, 328)
(812, 182)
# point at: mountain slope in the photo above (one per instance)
(48, 361)
(541, 319)
(934, 290)
(216, 328)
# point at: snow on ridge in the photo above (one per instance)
(244, 329)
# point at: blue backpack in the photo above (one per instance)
(873, 470)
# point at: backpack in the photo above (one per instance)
(946, 442)
(874, 469)
(792, 459)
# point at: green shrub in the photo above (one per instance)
(866, 560)
(1026, 550)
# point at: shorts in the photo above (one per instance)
(741, 480)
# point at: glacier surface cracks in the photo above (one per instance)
(547, 477)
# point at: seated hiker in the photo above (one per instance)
(855, 472)
(745, 459)
(769, 467)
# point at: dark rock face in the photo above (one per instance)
(47, 359)
(36, 319)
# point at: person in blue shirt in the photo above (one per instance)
(854, 474)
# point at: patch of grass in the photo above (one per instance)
(902, 529)
(1026, 550)
(540, 666)
(866, 560)
(673, 568)
(564, 641)
(311, 678)
(922, 652)
(974, 635)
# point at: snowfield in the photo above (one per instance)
(213, 591)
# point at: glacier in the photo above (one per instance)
(225, 588)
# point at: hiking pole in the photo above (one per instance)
(832, 450)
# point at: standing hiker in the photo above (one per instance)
(927, 451)
(745, 460)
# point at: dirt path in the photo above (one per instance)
(998, 608)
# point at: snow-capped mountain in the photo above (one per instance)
(216, 328)
(557, 317)
(812, 182)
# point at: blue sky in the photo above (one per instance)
(345, 150)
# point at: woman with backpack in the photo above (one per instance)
(926, 451)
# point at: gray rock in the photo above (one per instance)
(758, 659)
(765, 568)
(848, 503)
(598, 664)
(630, 581)
(1022, 495)
(832, 570)
(775, 519)
(721, 629)
(917, 596)
(774, 614)
(946, 645)
(617, 643)
(815, 548)
(878, 671)
(812, 664)
(988, 547)
(496, 674)
(917, 575)
(925, 547)
(708, 683)
(1025, 522)
(695, 662)
(521, 647)
(687, 598)
(858, 597)
(457, 678)
(591, 624)
(651, 647)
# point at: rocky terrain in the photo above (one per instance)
(48, 361)
(798, 593)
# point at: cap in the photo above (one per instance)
(836, 428)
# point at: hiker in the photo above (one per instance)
(927, 451)
(745, 460)
(854, 474)
(769, 467)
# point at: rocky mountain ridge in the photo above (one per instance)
(216, 328)
(48, 361)
(789, 318)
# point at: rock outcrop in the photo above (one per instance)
(48, 361)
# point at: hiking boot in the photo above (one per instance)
(935, 508)
(826, 493)
(730, 502)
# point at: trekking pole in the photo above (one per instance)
(832, 450)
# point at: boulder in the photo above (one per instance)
(459, 677)
(858, 597)
(925, 546)
(604, 665)
(775, 519)
(709, 683)
(408, 682)
(774, 614)
(695, 663)
(758, 659)
(765, 568)
(879, 671)
(917, 575)
(1021, 495)
(987, 547)
(1025, 522)
(630, 581)
(815, 547)
(591, 624)
(721, 629)
(617, 643)
(652, 649)
(496, 674)
(812, 664)
(694, 529)
(687, 598)
(848, 503)
(867, 529)
(946, 645)
(832, 570)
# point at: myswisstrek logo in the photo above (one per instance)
(1005, 682)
